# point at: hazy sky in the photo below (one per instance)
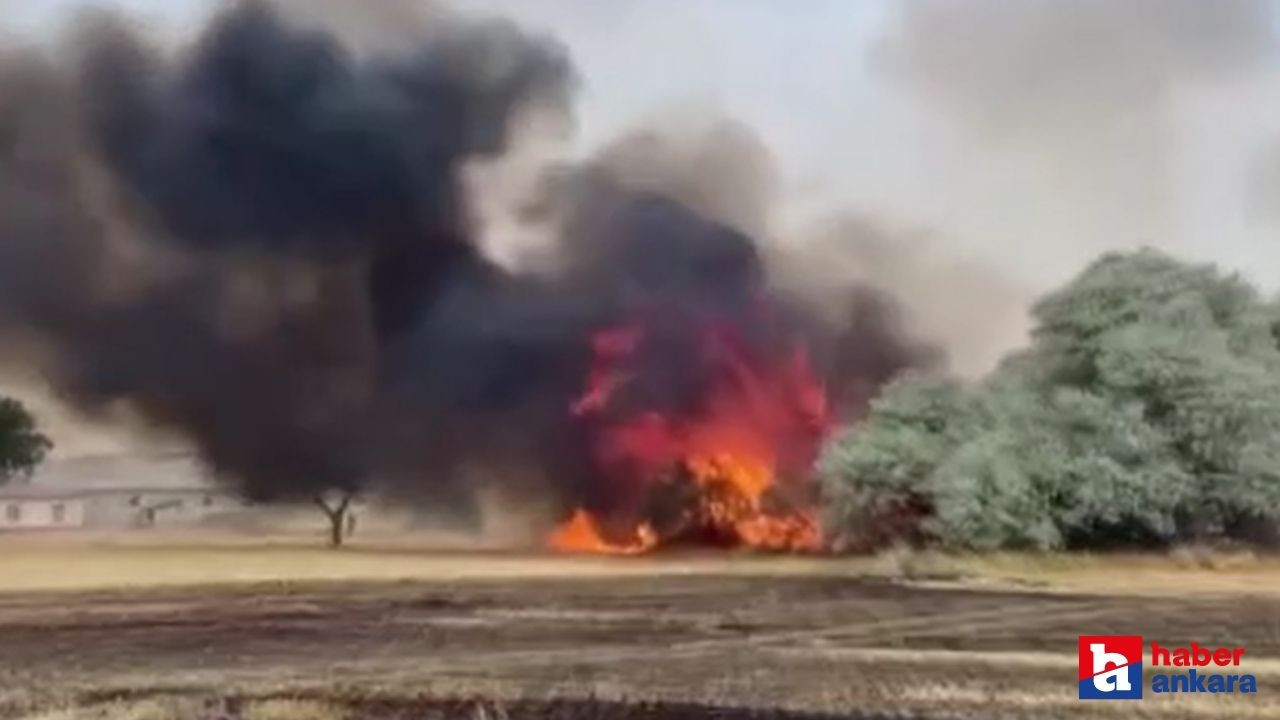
(820, 85)
(1019, 138)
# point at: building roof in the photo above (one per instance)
(97, 474)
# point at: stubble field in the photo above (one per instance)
(263, 633)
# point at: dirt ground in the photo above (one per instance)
(661, 644)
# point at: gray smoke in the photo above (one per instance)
(1044, 65)
(1070, 111)
(237, 242)
(260, 241)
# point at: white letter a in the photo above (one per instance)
(1117, 679)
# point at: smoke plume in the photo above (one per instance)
(1043, 64)
(261, 242)
(1071, 116)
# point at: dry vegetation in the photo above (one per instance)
(152, 560)
(140, 631)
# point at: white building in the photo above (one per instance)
(113, 493)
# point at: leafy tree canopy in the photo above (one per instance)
(1146, 409)
(22, 446)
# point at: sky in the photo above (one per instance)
(812, 84)
(999, 146)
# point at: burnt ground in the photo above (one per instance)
(658, 646)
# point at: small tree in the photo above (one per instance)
(22, 446)
(337, 508)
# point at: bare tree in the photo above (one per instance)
(337, 507)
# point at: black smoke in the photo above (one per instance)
(259, 242)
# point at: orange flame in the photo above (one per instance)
(580, 534)
(746, 450)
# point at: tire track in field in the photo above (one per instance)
(1016, 614)
(1013, 614)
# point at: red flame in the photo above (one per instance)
(743, 454)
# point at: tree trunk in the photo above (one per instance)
(337, 515)
(335, 529)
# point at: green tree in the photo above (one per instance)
(1145, 409)
(876, 477)
(1193, 348)
(22, 446)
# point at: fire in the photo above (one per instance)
(736, 460)
(580, 534)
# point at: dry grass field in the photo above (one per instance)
(283, 631)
